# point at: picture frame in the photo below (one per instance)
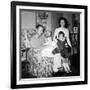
(16, 80)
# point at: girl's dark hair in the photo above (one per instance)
(66, 22)
(61, 33)
(39, 25)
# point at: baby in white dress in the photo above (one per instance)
(48, 48)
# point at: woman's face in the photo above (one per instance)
(62, 23)
(40, 30)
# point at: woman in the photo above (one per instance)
(39, 66)
(38, 39)
(63, 27)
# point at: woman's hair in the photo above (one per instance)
(39, 25)
(61, 33)
(66, 22)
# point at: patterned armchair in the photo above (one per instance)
(38, 67)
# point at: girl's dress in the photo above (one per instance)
(62, 48)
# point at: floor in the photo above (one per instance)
(75, 68)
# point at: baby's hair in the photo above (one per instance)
(61, 33)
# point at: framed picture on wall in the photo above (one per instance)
(48, 44)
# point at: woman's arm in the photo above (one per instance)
(55, 35)
(67, 38)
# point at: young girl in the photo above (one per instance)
(64, 51)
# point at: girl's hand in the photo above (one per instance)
(66, 44)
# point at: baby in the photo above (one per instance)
(64, 50)
(48, 46)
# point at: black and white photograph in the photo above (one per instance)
(50, 46)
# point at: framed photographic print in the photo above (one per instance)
(48, 44)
